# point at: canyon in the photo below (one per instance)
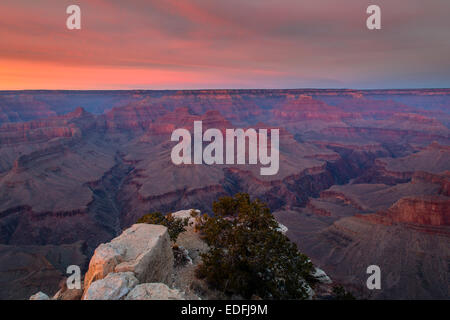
(214, 152)
(364, 178)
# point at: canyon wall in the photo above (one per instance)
(83, 166)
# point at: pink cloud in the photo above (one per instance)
(234, 43)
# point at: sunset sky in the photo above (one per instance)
(177, 44)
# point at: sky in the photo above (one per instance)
(206, 44)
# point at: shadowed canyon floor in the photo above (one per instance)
(364, 177)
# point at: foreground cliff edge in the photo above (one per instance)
(139, 265)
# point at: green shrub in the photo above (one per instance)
(339, 293)
(174, 225)
(248, 255)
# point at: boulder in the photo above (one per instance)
(114, 287)
(183, 214)
(143, 249)
(40, 296)
(154, 291)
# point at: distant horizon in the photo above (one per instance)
(228, 89)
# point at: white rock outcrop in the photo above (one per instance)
(321, 276)
(40, 296)
(143, 249)
(183, 214)
(154, 291)
(114, 287)
(282, 228)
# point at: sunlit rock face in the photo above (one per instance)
(142, 249)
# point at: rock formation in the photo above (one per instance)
(138, 265)
(40, 296)
(154, 291)
(114, 286)
(142, 249)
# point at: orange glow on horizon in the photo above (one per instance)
(26, 75)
